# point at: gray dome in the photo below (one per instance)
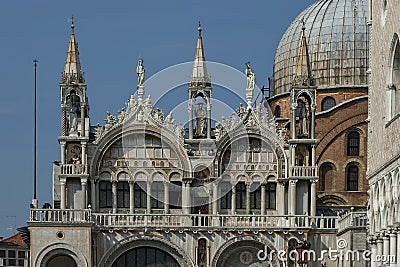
(337, 35)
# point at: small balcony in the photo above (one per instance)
(303, 172)
(74, 169)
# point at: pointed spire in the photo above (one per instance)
(200, 75)
(303, 75)
(72, 69)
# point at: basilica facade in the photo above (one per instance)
(284, 174)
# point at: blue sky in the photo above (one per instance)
(111, 36)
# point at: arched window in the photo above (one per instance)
(328, 103)
(353, 144)
(105, 193)
(241, 196)
(175, 195)
(226, 195)
(271, 196)
(123, 194)
(140, 195)
(145, 256)
(255, 196)
(352, 178)
(394, 91)
(157, 195)
(325, 176)
(277, 112)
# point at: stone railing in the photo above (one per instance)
(352, 219)
(182, 221)
(303, 171)
(61, 216)
(74, 169)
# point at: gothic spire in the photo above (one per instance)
(303, 75)
(200, 75)
(72, 69)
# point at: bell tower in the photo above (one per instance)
(199, 95)
(74, 132)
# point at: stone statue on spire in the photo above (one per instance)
(140, 70)
(251, 82)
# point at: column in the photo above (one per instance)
(233, 200)
(393, 248)
(379, 250)
(215, 198)
(247, 198)
(190, 119)
(280, 198)
(131, 197)
(386, 248)
(373, 252)
(186, 197)
(263, 195)
(83, 120)
(148, 199)
(62, 152)
(398, 246)
(292, 197)
(313, 197)
(93, 191)
(84, 192)
(313, 121)
(166, 197)
(63, 182)
(293, 120)
(114, 196)
(313, 157)
(84, 153)
(209, 120)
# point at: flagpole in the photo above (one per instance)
(34, 201)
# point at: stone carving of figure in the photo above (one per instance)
(180, 131)
(140, 116)
(98, 131)
(233, 120)
(140, 72)
(74, 103)
(148, 103)
(169, 120)
(218, 130)
(200, 120)
(304, 119)
(110, 121)
(121, 115)
(251, 82)
(158, 115)
(241, 111)
(131, 104)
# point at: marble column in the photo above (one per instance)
(393, 248)
(313, 209)
(247, 198)
(63, 201)
(82, 120)
(186, 197)
(280, 198)
(379, 250)
(190, 119)
(292, 197)
(131, 197)
(373, 253)
(114, 196)
(233, 200)
(148, 197)
(293, 120)
(166, 197)
(209, 120)
(386, 248)
(84, 153)
(263, 195)
(215, 198)
(84, 192)
(93, 191)
(313, 121)
(62, 152)
(398, 246)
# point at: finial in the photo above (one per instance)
(199, 28)
(71, 19)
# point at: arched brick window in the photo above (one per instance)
(353, 144)
(352, 178)
(328, 103)
(277, 112)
